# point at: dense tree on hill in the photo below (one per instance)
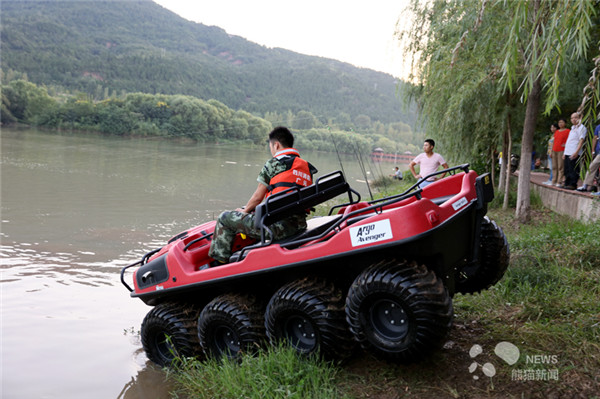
(169, 116)
(106, 47)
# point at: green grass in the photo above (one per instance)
(549, 299)
(272, 373)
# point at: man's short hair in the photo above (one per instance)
(431, 142)
(283, 136)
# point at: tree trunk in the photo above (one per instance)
(523, 190)
(506, 152)
(502, 174)
(506, 149)
(493, 168)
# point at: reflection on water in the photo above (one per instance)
(150, 382)
(75, 209)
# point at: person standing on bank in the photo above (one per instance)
(573, 150)
(558, 149)
(553, 129)
(588, 182)
(286, 169)
(428, 162)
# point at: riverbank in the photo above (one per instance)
(572, 203)
(175, 116)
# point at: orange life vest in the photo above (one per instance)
(297, 174)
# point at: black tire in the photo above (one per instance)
(309, 315)
(230, 325)
(494, 258)
(169, 331)
(399, 310)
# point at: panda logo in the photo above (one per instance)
(504, 350)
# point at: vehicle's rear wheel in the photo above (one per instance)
(169, 331)
(229, 325)
(494, 257)
(309, 315)
(399, 310)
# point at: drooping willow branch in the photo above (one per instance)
(463, 38)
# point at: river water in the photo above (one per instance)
(75, 209)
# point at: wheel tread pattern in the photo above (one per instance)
(323, 304)
(242, 313)
(178, 322)
(494, 258)
(424, 298)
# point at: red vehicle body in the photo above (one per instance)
(380, 273)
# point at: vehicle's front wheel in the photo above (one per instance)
(494, 257)
(169, 331)
(230, 325)
(399, 310)
(309, 315)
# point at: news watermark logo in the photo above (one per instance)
(536, 367)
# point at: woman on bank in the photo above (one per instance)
(560, 138)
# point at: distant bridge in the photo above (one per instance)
(379, 156)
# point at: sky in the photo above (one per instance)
(356, 31)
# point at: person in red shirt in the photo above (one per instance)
(558, 148)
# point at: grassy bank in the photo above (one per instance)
(272, 373)
(547, 306)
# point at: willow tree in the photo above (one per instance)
(474, 57)
(545, 39)
(464, 104)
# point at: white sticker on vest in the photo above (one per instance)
(370, 233)
(459, 204)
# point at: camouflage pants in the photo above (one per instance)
(230, 223)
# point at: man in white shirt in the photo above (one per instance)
(429, 163)
(573, 150)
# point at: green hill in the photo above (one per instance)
(137, 46)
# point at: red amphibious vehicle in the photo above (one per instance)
(380, 273)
